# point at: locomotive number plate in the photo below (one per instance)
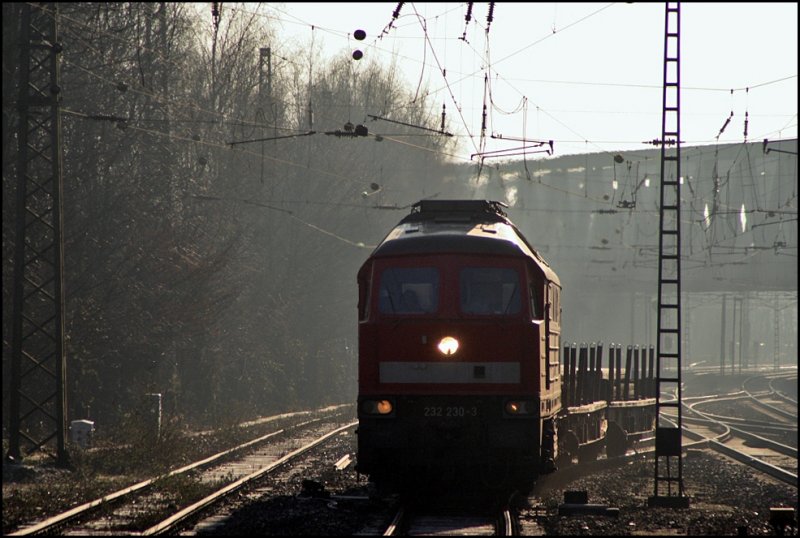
(450, 411)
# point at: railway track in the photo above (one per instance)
(232, 472)
(759, 408)
(449, 521)
(773, 402)
(452, 520)
(149, 508)
(700, 431)
(759, 454)
(749, 440)
(730, 436)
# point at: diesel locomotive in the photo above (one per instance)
(459, 341)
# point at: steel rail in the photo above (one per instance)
(507, 523)
(772, 408)
(394, 527)
(715, 444)
(780, 394)
(176, 519)
(776, 472)
(749, 436)
(64, 517)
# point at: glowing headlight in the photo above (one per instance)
(448, 345)
(377, 407)
(519, 407)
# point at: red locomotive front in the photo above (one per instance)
(458, 348)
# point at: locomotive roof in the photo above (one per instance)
(457, 210)
(463, 226)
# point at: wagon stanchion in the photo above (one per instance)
(636, 380)
(626, 388)
(619, 372)
(582, 360)
(610, 391)
(590, 375)
(643, 392)
(565, 395)
(573, 382)
(598, 377)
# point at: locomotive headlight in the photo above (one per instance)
(377, 407)
(448, 345)
(519, 407)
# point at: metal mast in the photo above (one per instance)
(38, 399)
(668, 490)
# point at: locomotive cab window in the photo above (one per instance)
(409, 290)
(489, 291)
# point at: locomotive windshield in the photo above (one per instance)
(409, 290)
(489, 290)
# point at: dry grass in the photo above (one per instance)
(37, 488)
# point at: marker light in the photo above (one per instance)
(448, 345)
